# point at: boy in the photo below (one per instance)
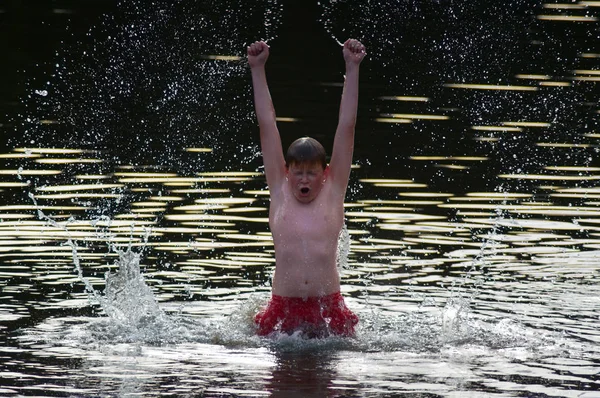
(306, 211)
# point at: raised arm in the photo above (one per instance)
(270, 140)
(343, 144)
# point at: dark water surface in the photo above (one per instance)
(134, 242)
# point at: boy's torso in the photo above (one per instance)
(305, 238)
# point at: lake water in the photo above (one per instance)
(134, 240)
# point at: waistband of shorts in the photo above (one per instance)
(315, 299)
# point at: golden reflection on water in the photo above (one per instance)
(217, 220)
(411, 116)
(490, 87)
(207, 233)
(567, 18)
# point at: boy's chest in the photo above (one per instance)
(294, 218)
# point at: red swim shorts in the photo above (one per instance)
(313, 316)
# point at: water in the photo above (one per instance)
(143, 253)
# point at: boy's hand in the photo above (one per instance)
(353, 51)
(258, 52)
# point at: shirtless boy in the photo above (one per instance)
(306, 211)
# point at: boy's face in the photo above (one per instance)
(306, 180)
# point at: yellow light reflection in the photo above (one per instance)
(183, 230)
(572, 168)
(389, 208)
(230, 174)
(144, 175)
(32, 207)
(540, 224)
(79, 196)
(581, 190)
(211, 217)
(500, 195)
(415, 116)
(532, 77)
(66, 160)
(170, 180)
(400, 185)
(398, 217)
(134, 216)
(244, 209)
(547, 177)
(199, 150)
(490, 87)
(61, 151)
(201, 190)
(427, 194)
(392, 120)
(418, 228)
(83, 187)
(212, 224)
(148, 204)
(192, 208)
(222, 57)
(532, 209)
(527, 124)
(567, 18)
(556, 84)
(495, 128)
(148, 210)
(247, 237)
(405, 98)
(91, 176)
(12, 216)
(30, 172)
(18, 155)
(452, 166)
(228, 201)
(564, 6)
(562, 145)
(264, 192)
(167, 198)
(384, 180)
(396, 202)
(587, 78)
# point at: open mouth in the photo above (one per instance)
(304, 190)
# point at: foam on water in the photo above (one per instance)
(449, 331)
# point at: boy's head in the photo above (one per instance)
(306, 167)
(306, 150)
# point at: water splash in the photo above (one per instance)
(378, 331)
(273, 15)
(154, 78)
(134, 316)
(466, 39)
(127, 298)
(343, 248)
(69, 242)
